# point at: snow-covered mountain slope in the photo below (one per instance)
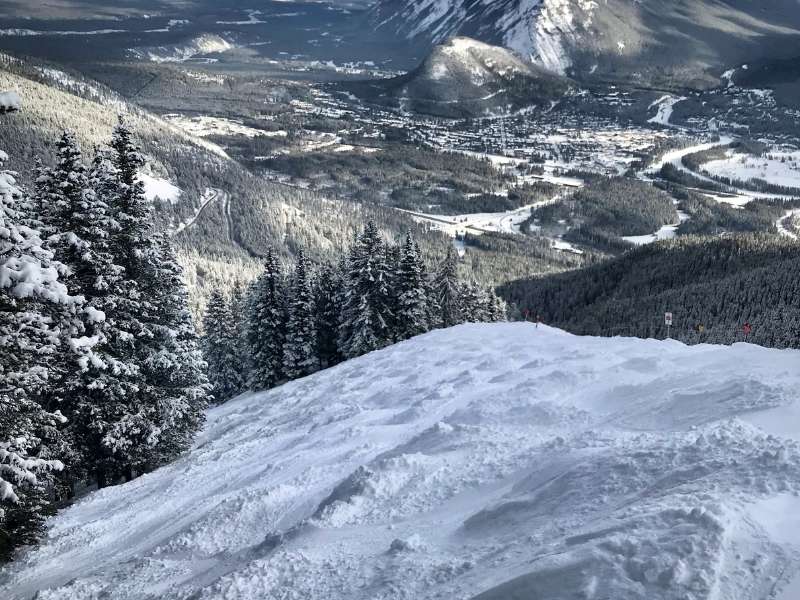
(466, 77)
(485, 461)
(201, 45)
(651, 41)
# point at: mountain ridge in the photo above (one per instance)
(649, 42)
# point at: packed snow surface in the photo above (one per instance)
(485, 461)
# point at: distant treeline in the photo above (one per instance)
(713, 286)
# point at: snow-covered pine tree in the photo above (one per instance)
(119, 425)
(366, 312)
(411, 316)
(266, 325)
(327, 296)
(432, 309)
(172, 389)
(81, 225)
(497, 309)
(238, 308)
(475, 303)
(173, 367)
(448, 292)
(300, 348)
(37, 316)
(392, 255)
(221, 348)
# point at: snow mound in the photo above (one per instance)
(485, 461)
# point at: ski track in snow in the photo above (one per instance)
(484, 461)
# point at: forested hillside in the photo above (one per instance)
(225, 216)
(714, 286)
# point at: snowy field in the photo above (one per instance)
(203, 126)
(155, 187)
(484, 462)
(781, 168)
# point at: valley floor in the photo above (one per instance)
(484, 461)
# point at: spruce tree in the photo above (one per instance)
(300, 348)
(328, 295)
(167, 409)
(174, 367)
(81, 226)
(448, 291)
(366, 313)
(475, 306)
(238, 309)
(37, 320)
(266, 326)
(497, 309)
(221, 348)
(432, 308)
(410, 284)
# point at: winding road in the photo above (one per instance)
(211, 195)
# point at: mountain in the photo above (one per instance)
(484, 461)
(465, 77)
(649, 42)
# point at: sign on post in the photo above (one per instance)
(668, 319)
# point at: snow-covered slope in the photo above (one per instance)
(533, 28)
(651, 41)
(485, 461)
(199, 46)
(466, 77)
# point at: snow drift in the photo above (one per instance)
(484, 461)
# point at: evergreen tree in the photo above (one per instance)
(497, 309)
(432, 308)
(238, 309)
(266, 326)
(448, 292)
(410, 285)
(366, 313)
(81, 225)
(160, 419)
(37, 317)
(221, 349)
(327, 298)
(392, 255)
(174, 366)
(118, 422)
(300, 347)
(476, 304)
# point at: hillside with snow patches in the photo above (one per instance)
(466, 77)
(485, 461)
(647, 41)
